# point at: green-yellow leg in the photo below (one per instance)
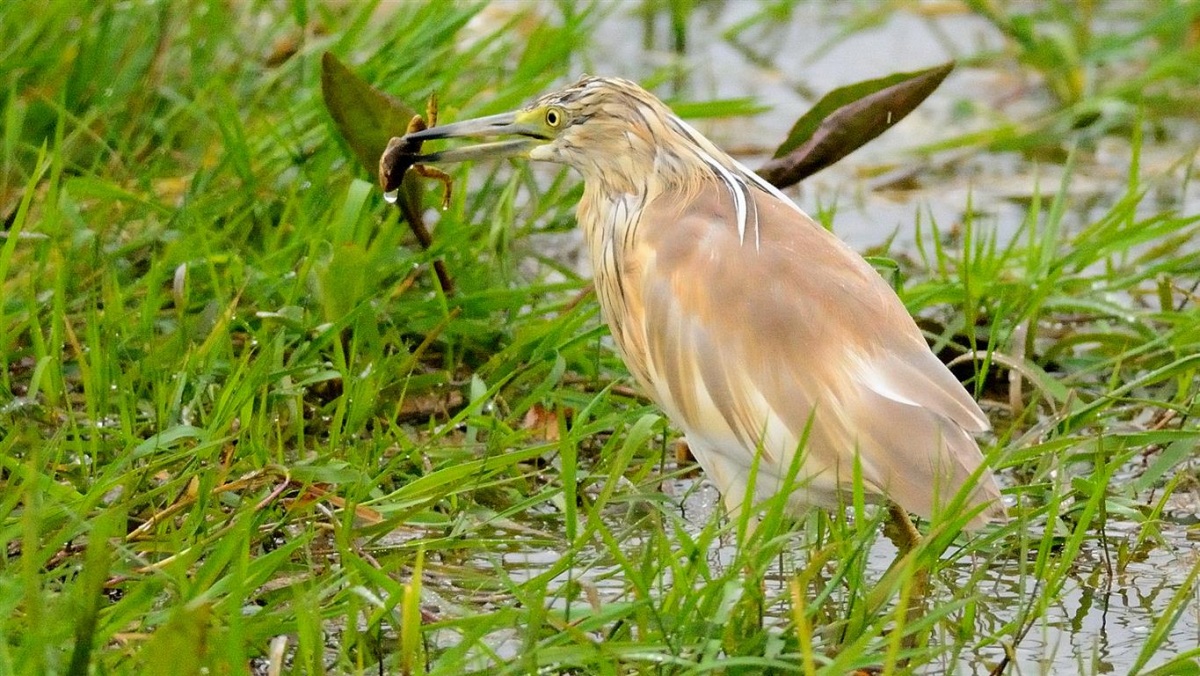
(901, 531)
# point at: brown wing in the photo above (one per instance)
(748, 337)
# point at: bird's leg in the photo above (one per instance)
(901, 531)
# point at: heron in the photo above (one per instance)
(757, 331)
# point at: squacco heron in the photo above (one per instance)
(756, 330)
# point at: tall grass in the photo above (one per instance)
(242, 426)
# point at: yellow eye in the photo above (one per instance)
(554, 117)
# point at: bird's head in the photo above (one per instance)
(618, 135)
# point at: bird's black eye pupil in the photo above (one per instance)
(552, 118)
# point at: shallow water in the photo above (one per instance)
(1096, 625)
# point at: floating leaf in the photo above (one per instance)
(847, 118)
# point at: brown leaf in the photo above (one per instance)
(542, 422)
(847, 118)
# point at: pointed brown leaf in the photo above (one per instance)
(847, 118)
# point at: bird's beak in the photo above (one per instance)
(504, 124)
